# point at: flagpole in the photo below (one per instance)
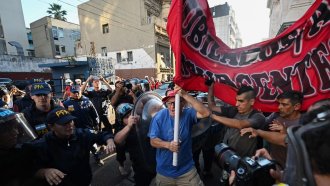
(176, 127)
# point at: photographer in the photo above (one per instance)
(123, 94)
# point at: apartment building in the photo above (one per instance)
(285, 13)
(13, 39)
(225, 25)
(132, 33)
(53, 38)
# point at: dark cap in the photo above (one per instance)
(35, 80)
(170, 94)
(75, 88)
(59, 116)
(40, 88)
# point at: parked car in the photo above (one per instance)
(5, 81)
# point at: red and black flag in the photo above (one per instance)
(297, 59)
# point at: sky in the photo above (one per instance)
(252, 17)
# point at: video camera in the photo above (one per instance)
(249, 172)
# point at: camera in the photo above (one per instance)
(248, 171)
(128, 85)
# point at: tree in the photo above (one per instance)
(55, 11)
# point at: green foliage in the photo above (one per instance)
(55, 11)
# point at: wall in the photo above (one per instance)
(11, 63)
(12, 19)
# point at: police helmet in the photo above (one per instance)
(14, 129)
(123, 109)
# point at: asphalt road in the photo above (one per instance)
(109, 175)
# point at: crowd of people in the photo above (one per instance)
(48, 142)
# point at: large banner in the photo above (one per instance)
(297, 59)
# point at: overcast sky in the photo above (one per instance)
(252, 17)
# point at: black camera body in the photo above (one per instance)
(248, 171)
(127, 84)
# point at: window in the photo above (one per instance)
(57, 50)
(148, 17)
(105, 28)
(60, 32)
(63, 49)
(1, 30)
(31, 53)
(104, 51)
(118, 57)
(129, 56)
(75, 35)
(3, 48)
(55, 34)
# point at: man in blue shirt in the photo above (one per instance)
(161, 135)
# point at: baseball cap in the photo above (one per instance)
(170, 94)
(75, 88)
(59, 115)
(35, 80)
(40, 88)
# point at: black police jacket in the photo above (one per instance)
(70, 156)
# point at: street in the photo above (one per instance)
(109, 175)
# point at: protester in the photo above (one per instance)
(236, 118)
(128, 137)
(43, 104)
(5, 97)
(78, 82)
(63, 153)
(161, 135)
(289, 114)
(98, 96)
(308, 149)
(66, 93)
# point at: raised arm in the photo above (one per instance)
(106, 83)
(210, 99)
(83, 87)
(202, 110)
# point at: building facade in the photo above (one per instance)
(131, 33)
(225, 25)
(53, 38)
(13, 39)
(285, 13)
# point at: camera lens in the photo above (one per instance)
(226, 158)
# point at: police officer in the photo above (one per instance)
(127, 137)
(84, 111)
(16, 161)
(43, 104)
(26, 101)
(63, 153)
